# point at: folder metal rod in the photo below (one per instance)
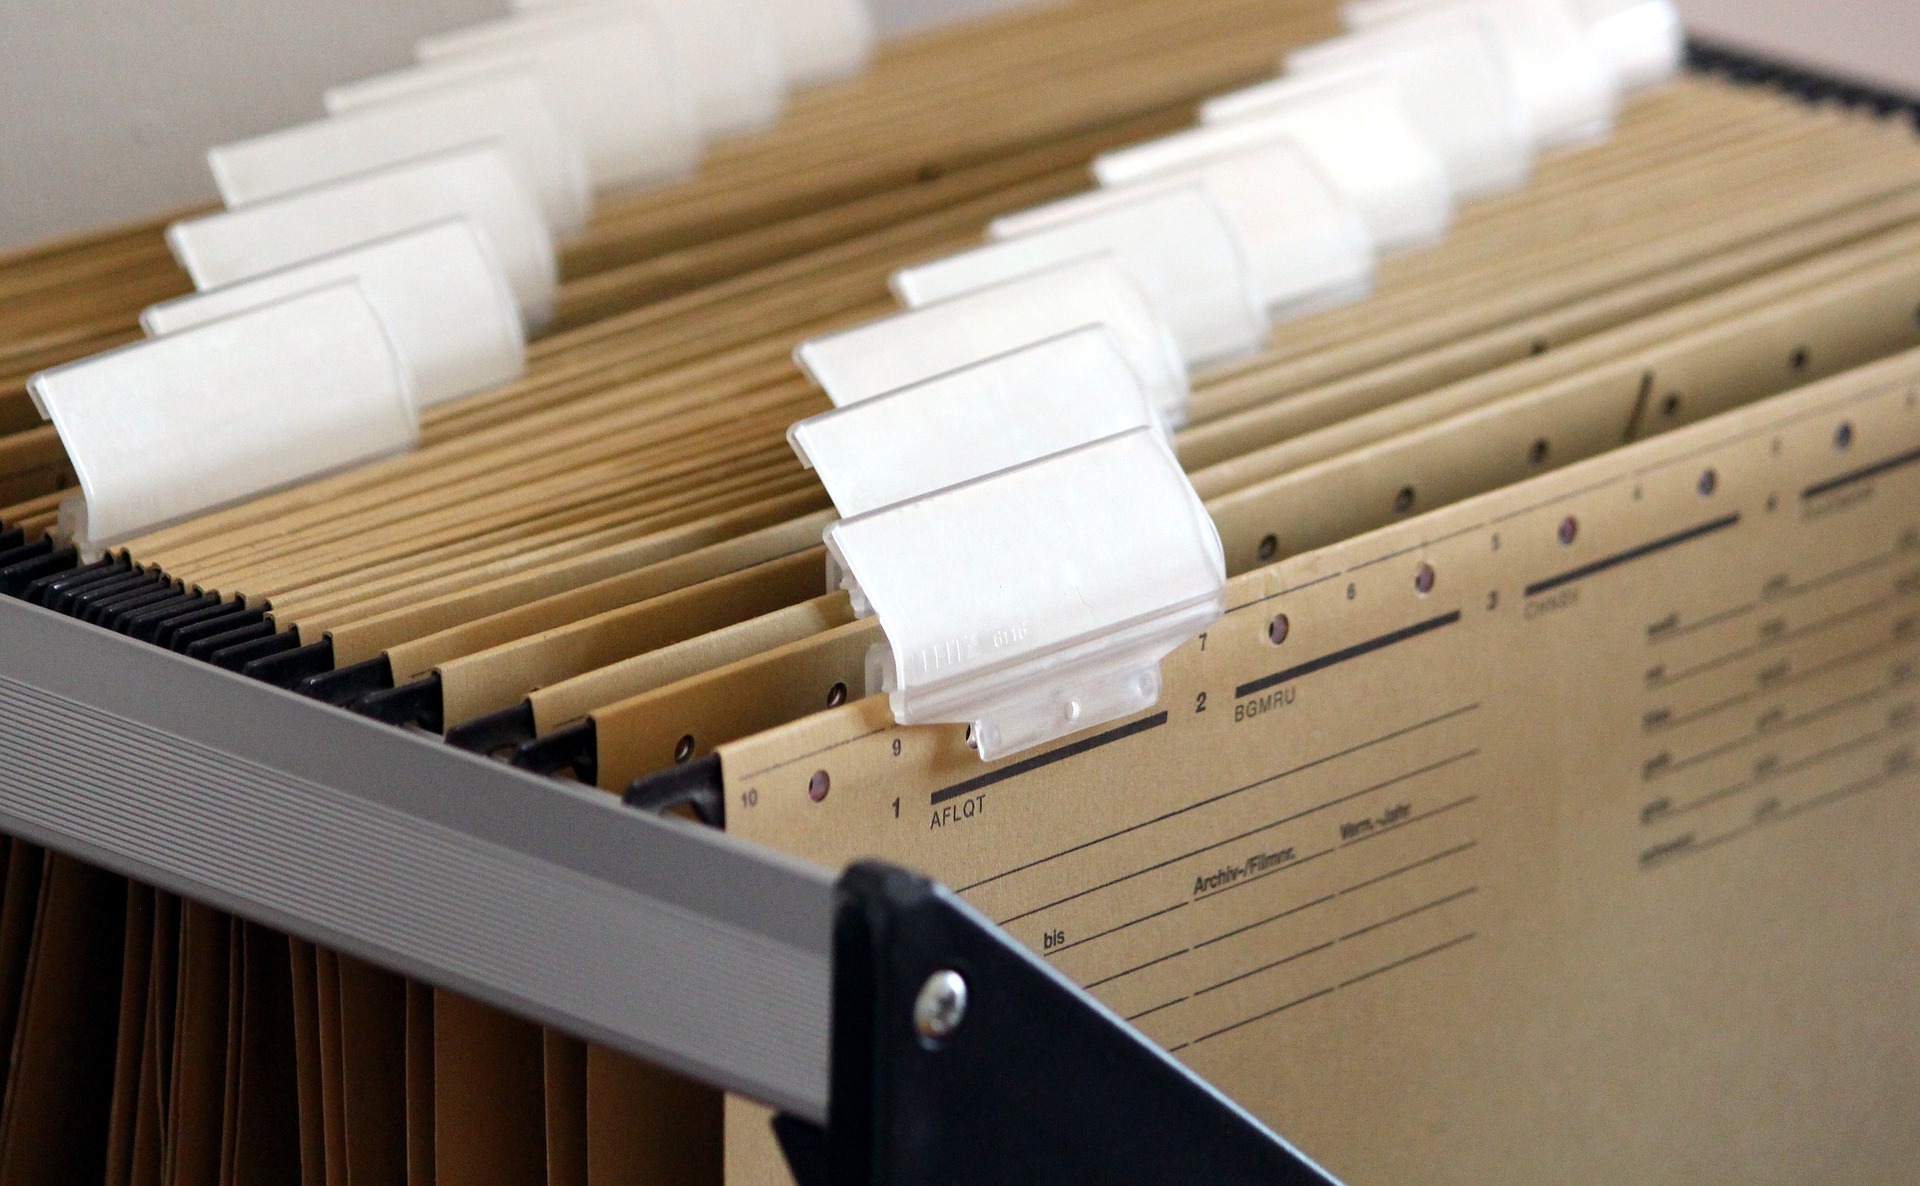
(731, 964)
(662, 939)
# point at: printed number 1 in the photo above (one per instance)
(896, 809)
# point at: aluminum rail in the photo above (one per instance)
(662, 939)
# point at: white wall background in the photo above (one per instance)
(106, 106)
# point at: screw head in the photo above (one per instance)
(940, 1007)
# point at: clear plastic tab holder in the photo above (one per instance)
(823, 40)
(1357, 130)
(1454, 85)
(1005, 412)
(439, 291)
(1571, 92)
(728, 62)
(1306, 245)
(912, 347)
(508, 110)
(614, 84)
(168, 429)
(1038, 602)
(1174, 243)
(472, 183)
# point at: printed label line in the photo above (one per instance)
(1632, 554)
(1864, 474)
(1225, 795)
(1669, 854)
(1114, 930)
(1780, 640)
(1797, 767)
(1346, 655)
(1781, 729)
(1246, 835)
(1041, 761)
(1314, 996)
(1411, 820)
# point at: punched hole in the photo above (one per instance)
(1269, 547)
(818, 786)
(1278, 629)
(1539, 346)
(1569, 531)
(837, 696)
(1799, 358)
(1843, 436)
(1709, 482)
(1424, 578)
(1538, 454)
(1670, 406)
(683, 752)
(1403, 501)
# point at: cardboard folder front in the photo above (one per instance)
(1564, 834)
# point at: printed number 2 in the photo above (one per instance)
(1200, 703)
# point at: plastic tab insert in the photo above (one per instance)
(823, 40)
(510, 111)
(614, 84)
(472, 183)
(1038, 602)
(1355, 129)
(165, 430)
(1020, 407)
(910, 348)
(1454, 85)
(439, 292)
(725, 49)
(1174, 243)
(1306, 245)
(1571, 92)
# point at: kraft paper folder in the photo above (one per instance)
(1540, 809)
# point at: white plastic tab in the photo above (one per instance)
(1174, 243)
(438, 290)
(165, 430)
(1644, 40)
(729, 63)
(508, 110)
(1354, 129)
(1453, 84)
(822, 40)
(1570, 91)
(1037, 602)
(909, 348)
(1035, 402)
(1306, 245)
(472, 183)
(614, 84)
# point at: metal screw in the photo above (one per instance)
(940, 1007)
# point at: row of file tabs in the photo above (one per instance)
(1006, 434)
